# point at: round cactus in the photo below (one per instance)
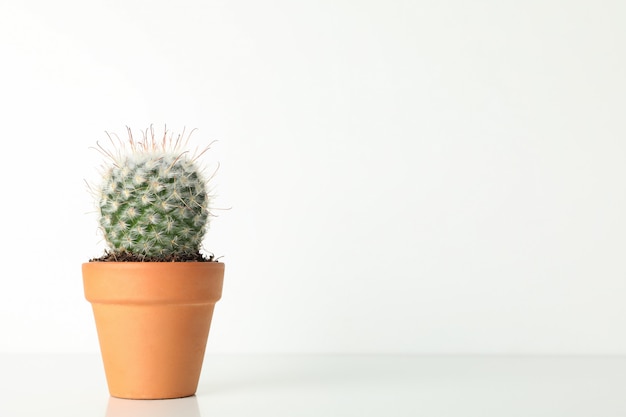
(153, 200)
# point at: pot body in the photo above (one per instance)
(153, 321)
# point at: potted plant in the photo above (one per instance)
(153, 292)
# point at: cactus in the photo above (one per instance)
(153, 201)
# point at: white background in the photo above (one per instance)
(404, 176)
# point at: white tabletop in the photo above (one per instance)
(331, 385)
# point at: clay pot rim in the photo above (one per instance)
(153, 282)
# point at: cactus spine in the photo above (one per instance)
(153, 201)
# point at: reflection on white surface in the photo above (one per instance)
(331, 385)
(187, 407)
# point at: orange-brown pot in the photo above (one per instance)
(153, 321)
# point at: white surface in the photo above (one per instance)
(404, 176)
(339, 385)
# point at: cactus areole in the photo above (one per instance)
(153, 202)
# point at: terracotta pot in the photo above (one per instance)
(153, 321)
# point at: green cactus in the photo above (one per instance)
(153, 201)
